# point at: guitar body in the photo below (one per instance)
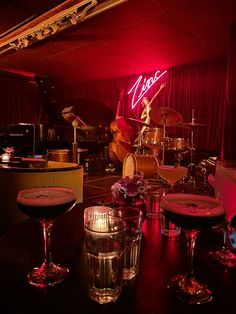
(118, 151)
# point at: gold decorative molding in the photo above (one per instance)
(63, 16)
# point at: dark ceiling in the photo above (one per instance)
(134, 37)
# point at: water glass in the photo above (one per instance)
(133, 218)
(104, 251)
(94, 212)
(168, 228)
(154, 191)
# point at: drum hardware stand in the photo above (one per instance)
(164, 137)
(138, 149)
(180, 157)
(191, 176)
(192, 166)
(138, 144)
(205, 175)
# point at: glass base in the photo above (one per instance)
(46, 276)
(189, 290)
(103, 296)
(224, 257)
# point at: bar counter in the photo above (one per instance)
(21, 249)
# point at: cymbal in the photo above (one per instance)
(192, 125)
(139, 122)
(165, 115)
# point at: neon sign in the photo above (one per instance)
(141, 87)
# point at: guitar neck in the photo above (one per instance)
(121, 95)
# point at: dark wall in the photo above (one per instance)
(230, 118)
(20, 99)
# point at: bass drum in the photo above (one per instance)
(145, 163)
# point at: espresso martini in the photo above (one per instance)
(192, 211)
(46, 202)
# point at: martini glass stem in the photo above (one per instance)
(191, 240)
(186, 287)
(47, 262)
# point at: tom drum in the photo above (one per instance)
(152, 137)
(145, 163)
(178, 144)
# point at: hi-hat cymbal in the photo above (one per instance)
(165, 115)
(192, 125)
(139, 122)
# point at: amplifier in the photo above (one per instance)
(21, 136)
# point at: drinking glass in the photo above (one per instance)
(46, 204)
(171, 173)
(95, 212)
(192, 213)
(104, 249)
(225, 190)
(154, 191)
(133, 218)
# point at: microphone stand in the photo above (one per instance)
(164, 138)
(75, 144)
(75, 121)
(192, 165)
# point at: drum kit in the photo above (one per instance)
(157, 140)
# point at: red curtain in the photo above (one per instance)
(230, 116)
(200, 86)
(20, 100)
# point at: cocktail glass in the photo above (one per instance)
(171, 173)
(46, 204)
(192, 213)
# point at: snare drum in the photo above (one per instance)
(152, 137)
(178, 144)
